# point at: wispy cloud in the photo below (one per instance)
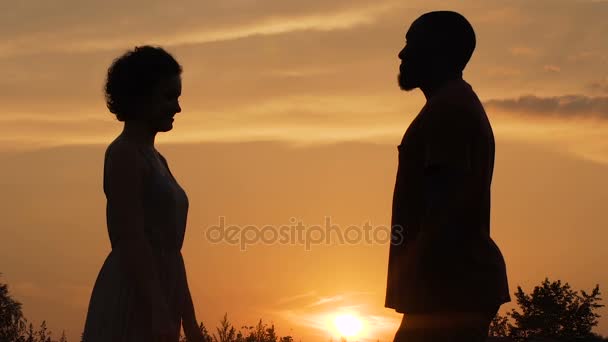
(320, 313)
(575, 124)
(599, 86)
(75, 295)
(502, 72)
(301, 119)
(552, 68)
(90, 40)
(524, 51)
(567, 106)
(28, 289)
(327, 300)
(297, 297)
(585, 56)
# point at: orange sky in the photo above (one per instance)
(291, 110)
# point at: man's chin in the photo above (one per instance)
(406, 84)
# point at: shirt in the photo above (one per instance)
(446, 262)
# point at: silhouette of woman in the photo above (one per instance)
(141, 292)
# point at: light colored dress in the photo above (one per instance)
(115, 312)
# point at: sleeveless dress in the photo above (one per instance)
(115, 313)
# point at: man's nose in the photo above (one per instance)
(401, 54)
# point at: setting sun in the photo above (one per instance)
(348, 325)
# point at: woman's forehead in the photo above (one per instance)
(171, 83)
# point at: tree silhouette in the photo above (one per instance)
(31, 334)
(14, 326)
(551, 312)
(499, 327)
(262, 333)
(12, 322)
(204, 332)
(554, 310)
(225, 332)
(43, 334)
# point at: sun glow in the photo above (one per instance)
(348, 325)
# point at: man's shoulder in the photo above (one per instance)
(456, 107)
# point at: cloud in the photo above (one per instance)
(524, 51)
(566, 106)
(599, 86)
(300, 119)
(45, 131)
(297, 297)
(575, 124)
(585, 56)
(86, 38)
(552, 68)
(327, 300)
(502, 72)
(28, 289)
(76, 295)
(321, 313)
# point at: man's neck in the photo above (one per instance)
(430, 88)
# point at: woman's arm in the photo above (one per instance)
(189, 321)
(124, 191)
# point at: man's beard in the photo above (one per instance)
(406, 83)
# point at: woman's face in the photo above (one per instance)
(162, 105)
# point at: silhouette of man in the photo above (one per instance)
(445, 274)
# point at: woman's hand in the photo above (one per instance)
(168, 332)
(165, 329)
(189, 322)
(191, 328)
(193, 333)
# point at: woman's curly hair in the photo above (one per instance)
(135, 74)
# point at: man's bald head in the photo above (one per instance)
(438, 44)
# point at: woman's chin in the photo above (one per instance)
(165, 125)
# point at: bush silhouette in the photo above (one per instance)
(552, 311)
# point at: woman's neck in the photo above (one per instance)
(139, 132)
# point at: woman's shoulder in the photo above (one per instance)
(121, 147)
(123, 152)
